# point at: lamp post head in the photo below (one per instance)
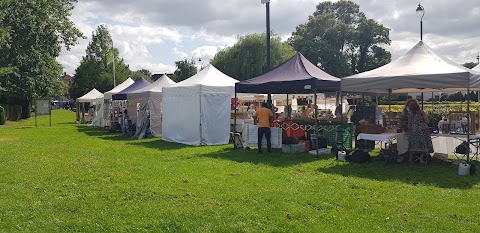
(420, 10)
(264, 1)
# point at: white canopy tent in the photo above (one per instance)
(102, 118)
(476, 68)
(150, 104)
(90, 97)
(196, 111)
(419, 70)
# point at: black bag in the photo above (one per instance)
(358, 156)
(473, 169)
(462, 148)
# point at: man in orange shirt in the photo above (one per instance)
(264, 117)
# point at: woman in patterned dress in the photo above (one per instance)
(418, 134)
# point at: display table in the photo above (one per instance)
(327, 129)
(401, 138)
(250, 136)
(446, 143)
(442, 143)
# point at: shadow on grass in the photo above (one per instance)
(275, 159)
(434, 174)
(159, 144)
(106, 135)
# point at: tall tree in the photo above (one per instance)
(34, 32)
(185, 70)
(341, 39)
(247, 58)
(96, 67)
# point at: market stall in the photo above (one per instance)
(107, 102)
(196, 111)
(150, 109)
(295, 76)
(419, 70)
(90, 98)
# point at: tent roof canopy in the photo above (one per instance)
(122, 95)
(91, 96)
(209, 76)
(419, 70)
(155, 87)
(297, 75)
(476, 68)
(118, 88)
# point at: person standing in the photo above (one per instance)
(264, 117)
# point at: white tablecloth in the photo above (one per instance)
(442, 143)
(401, 138)
(250, 136)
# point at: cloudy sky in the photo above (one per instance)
(153, 34)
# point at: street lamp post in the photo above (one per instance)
(267, 7)
(421, 11)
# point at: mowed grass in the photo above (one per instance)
(71, 177)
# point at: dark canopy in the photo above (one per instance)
(297, 75)
(140, 83)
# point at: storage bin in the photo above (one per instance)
(293, 148)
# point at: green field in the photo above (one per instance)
(73, 178)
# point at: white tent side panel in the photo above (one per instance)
(181, 118)
(197, 115)
(155, 106)
(215, 119)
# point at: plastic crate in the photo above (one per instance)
(293, 148)
(321, 151)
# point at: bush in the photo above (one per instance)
(16, 113)
(2, 116)
(6, 110)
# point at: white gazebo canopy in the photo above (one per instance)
(119, 88)
(90, 97)
(419, 70)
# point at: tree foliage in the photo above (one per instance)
(96, 67)
(31, 35)
(185, 70)
(469, 65)
(142, 73)
(341, 39)
(247, 58)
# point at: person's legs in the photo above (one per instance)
(259, 140)
(268, 133)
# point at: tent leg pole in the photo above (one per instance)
(235, 121)
(468, 121)
(316, 121)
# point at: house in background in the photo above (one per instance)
(68, 81)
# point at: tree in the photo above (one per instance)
(247, 58)
(96, 67)
(142, 73)
(469, 65)
(185, 69)
(34, 32)
(341, 39)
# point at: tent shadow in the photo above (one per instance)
(274, 159)
(102, 134)
(159, 144)
(434, 174)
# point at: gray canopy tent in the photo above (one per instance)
(150, 110)
(419, 70)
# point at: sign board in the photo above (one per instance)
(43, 107)
(259, 98)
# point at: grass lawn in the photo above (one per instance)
(70, 177)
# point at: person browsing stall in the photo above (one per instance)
(264, 117)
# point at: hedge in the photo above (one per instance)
(12, 112)
(2, 116)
